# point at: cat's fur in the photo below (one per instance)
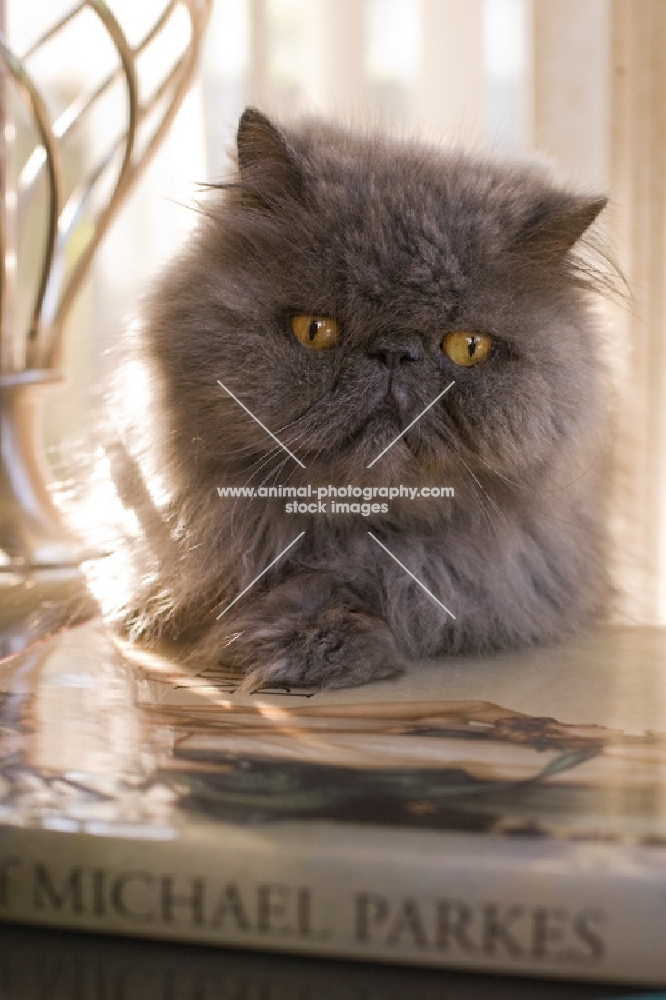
(400, 244)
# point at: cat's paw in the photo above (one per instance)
(336, 647)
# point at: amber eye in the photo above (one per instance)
(467, 349)
(318, 332)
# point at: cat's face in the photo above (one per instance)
(344, 283)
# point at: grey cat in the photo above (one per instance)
(335, 287)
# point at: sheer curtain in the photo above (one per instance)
(444, 69)
(579, 81)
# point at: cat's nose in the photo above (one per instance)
(396, 351)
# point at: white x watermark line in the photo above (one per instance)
(298, 537)
(409, 572)
(277, 558)
(396, 439)
(263, 426)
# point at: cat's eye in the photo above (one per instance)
(317, 332)
(467, 349)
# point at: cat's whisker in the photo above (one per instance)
(261, 462)
(270, 476)
(261, 459)
(251, 446)
(534, 489)
(474, 493)
(477, 492)
(498, 510)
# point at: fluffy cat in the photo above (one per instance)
(335, 287)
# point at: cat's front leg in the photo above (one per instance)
(310, 631)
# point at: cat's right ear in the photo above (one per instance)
(557, 221)
(266, 162)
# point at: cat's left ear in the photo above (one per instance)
(265, 158)
(558, 222)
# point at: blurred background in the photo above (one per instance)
(581, 82)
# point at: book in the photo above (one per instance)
(504, 814)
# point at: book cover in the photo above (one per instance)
(505, 813)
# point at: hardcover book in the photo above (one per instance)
(505, 813)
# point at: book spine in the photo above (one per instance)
(529, 907)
